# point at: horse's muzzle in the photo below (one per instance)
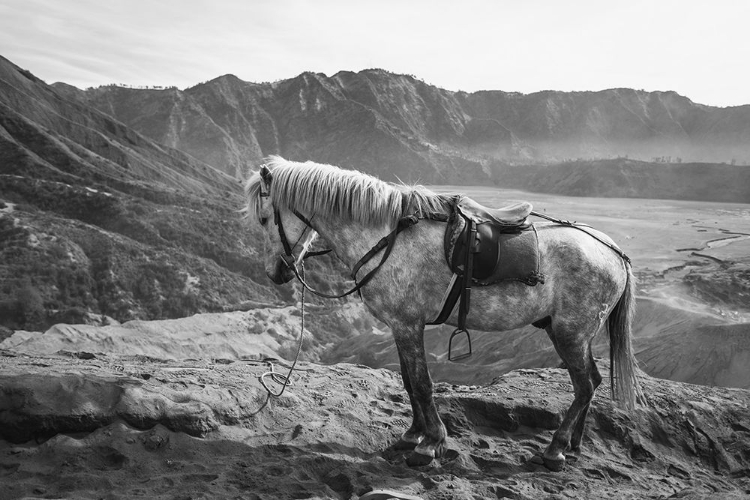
(281, 273)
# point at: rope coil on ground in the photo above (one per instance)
(279, 378)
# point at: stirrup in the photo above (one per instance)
(450, 345)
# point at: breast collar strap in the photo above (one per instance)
(385, 245)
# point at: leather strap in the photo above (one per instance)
(387, 243)
(580, 227)
(471, 245)
(449, 300)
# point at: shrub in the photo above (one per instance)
(31, 307)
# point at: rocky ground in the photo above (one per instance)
(82, 425)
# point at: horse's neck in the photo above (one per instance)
(350, 240)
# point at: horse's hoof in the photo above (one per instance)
(416, 459)
(554, 464)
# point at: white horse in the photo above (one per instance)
(587, 284)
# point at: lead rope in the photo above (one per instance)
(286, 380)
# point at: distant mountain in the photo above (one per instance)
(397, 126)
(627, 178)
(96, 218)
(556, 126)
(345, 120)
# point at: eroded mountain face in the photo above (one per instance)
(396, 126)
(95, 218)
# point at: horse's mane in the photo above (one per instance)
(325, 190)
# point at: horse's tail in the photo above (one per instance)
(626, 388)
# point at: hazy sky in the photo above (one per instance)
(698, 48)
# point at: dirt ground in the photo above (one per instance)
(138, 427)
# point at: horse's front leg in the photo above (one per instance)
(427, 432)
(415, 434)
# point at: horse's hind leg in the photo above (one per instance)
(575, 350)
(596, 379)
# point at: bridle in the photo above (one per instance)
(288, 256)
(292, 263)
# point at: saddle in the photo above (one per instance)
(484, 246)
(499, 242)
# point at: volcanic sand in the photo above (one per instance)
(130, 427)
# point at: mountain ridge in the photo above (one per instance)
(397, 126)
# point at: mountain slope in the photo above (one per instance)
(55, 133)
(397, 126)
(230, 123)
(97, 218)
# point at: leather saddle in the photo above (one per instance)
(511, 216)
(483, 246)
(500, 242)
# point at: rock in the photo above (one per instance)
(197, 424)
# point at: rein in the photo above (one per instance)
(285, 380)
(386, 243)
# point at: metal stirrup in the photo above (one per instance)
(450, 345)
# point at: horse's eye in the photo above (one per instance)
(263, 221)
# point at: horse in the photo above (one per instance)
(587, 285)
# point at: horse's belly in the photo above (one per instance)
(504, 306)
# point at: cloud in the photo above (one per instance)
(687, 46)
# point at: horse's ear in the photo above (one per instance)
(265, 174)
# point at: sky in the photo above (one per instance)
(699, 49)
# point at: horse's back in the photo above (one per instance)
(581, 265)
(566, 246)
